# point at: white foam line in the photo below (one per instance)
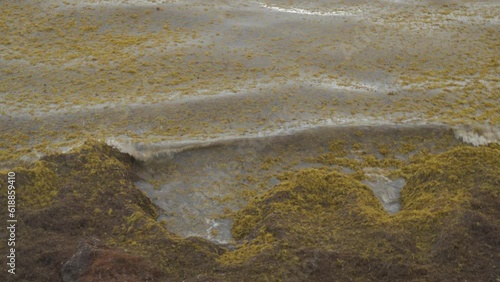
(478, 135)
(308, 12)
(118, 2)
(213, 224)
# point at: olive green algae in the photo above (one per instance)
(447, 227)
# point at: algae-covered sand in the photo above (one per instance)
(185, 140)
(318, 224)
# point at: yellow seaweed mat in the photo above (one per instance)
(81, 217)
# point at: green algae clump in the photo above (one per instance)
(311, 192)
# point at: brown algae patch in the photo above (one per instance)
(89, 193)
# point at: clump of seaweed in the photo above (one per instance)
(315, 215)
(89, 194)
(313, 191)
(451, 203)
(320, 223)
